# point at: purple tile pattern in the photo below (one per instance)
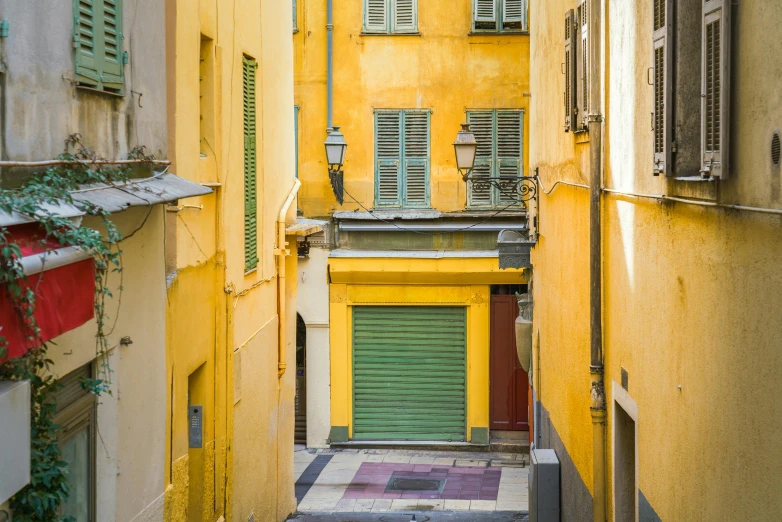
(464, 483)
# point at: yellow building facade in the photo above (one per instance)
(411, 243)
(690, 283)
(231, 310)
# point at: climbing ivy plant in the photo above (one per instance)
(40, 500)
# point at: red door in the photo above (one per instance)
(509, 386)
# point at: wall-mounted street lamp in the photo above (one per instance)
(514, 189)
(465, 147)
(336, 146)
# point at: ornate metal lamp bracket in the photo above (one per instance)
(515, 189)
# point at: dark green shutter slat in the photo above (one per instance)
(409, 376)
(250, 166)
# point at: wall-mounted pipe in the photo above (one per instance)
(329, 64)
(282, 253)
(596, 370)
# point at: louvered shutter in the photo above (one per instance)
(663, 101)
(405, 16)
(715, 95)
(112, 44)
(85, 40)
(375, 16)
(388, 132)
(482, 125)
(485, 11)
(513, 14)
(509, 151)
(570, 71)
(69, 389)
(250, 166)
(416, 159)
(582, 37)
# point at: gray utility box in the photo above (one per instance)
(543, 486)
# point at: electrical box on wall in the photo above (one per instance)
(15, 437)
(543, 486)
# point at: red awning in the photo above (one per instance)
(64, 284)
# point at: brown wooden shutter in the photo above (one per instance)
(715, 95)
(570, 71)
(582, 39)
(663, 99)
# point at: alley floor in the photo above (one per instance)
(434, 485)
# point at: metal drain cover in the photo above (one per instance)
(415, 484)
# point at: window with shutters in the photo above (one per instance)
(500, 137)
(570, 68)
(580, 39)
(249, 67)
(97, 43)
(690, 75)
(391, 16)
(495, 16)
(402, 158)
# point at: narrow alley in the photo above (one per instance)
(380, 484)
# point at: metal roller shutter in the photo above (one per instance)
(409, 375)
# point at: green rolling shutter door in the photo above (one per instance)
(409, 376)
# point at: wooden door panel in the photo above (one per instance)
(508, 390)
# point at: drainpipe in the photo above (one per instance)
(597, 392)
(329, 64)
(281, 252)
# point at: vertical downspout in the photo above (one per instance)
(329, 65)
(597, 392)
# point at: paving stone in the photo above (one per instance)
(483, 505)
(457, 505)
(444, 460)
(404, 505)
(381, 504)
(364, 505)
(472, 463)
(430, 505)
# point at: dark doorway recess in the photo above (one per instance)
(509, 385)
(300, 434)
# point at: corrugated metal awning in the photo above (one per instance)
(161, 188)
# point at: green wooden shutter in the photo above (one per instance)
(85, 41)
(482, 125)
(485, 11)
(513, 14)
(409, 377)
(715, 94)
(388, 152)
(662, 116)
(582, 39)
(375, 16)
(112, 44)
(250, 165)
(510, 129)
(416, 159)
(405, 16)
(570, 71)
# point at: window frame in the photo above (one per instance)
(390, 12)
(402, 202)
(499, 6)
(495, 157)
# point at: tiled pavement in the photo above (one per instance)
(358, 480)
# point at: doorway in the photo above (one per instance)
(509, 384)
(625, 457)
(300, 432)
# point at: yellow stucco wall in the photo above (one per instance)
(443, 69)
(222, 334)
(690, 293)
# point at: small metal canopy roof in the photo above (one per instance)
(160, 188)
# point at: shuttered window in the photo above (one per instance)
(390, 16)
(582, 57)
(715, 78)
(500, 15)
(249, 67)
(295, 18)
(663, 104)
(500, 137)
(97, 42)
(409, 373)
(402, 158)
(570, 71)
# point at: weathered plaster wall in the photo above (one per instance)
(443, 69)
(131, 420)
(223, 320)
(313, 306)
(690, 293)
